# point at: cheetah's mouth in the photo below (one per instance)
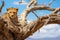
(12, 17)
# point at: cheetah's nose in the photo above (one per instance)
(12, 15)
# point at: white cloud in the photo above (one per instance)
(51, 30)
(17, 3)
(28, 21)
(51, 26)
(43, 31)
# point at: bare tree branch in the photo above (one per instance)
(32, 3)
(35, 14)
(27, 10)
(2, 6)
(41, 23)
(50, 2)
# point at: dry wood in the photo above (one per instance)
(23, 30)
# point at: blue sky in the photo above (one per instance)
(46, 31)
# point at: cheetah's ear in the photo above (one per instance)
(17, 9)
(8, 9)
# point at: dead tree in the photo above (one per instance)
(12, 33)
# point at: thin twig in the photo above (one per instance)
(2, 6)
(50, 2)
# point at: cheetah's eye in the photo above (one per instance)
(14, 12)
(10, 12)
